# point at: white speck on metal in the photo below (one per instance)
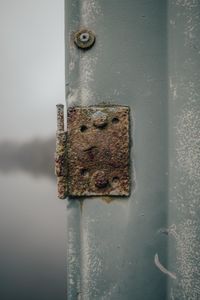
(90, 10)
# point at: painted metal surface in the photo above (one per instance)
(147, 52)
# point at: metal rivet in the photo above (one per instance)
(84, 39)
(100, 119)
(99, 179)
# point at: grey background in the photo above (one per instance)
(32, 220)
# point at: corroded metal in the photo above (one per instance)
(84, 39)
(98, 151)
(61, 154)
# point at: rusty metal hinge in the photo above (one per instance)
(92, 157)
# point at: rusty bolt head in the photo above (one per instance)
(84, 39)
(100, 119)
(99, 179)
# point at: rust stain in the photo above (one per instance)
(107, 199)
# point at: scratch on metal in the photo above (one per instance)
(162, 268)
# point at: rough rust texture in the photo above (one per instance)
(61, 154)
(98, 156)
(60, 117)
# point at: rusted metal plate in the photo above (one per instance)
(98, 151)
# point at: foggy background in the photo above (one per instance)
(32, 219)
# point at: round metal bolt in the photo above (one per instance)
(100, 180)
(84, 39)
(100, 119)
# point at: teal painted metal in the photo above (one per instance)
(146, 55)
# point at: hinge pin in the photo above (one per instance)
(61, 154)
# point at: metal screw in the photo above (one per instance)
(100, 180)
(84, 39)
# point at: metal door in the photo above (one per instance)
(146, 56)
